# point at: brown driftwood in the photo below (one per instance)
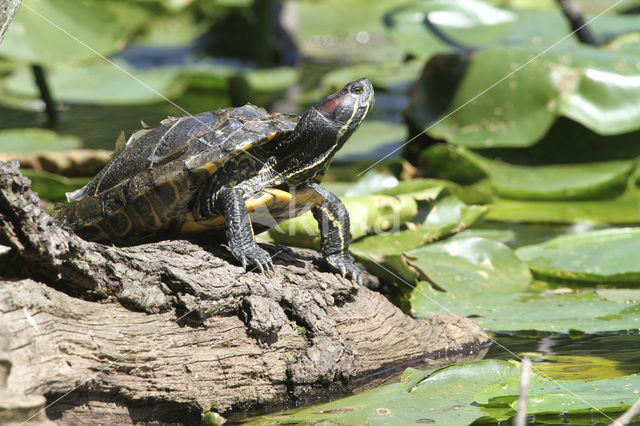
(191, 327)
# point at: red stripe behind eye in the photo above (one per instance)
(328, 106)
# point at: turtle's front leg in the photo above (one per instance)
(333, 220)
(240, 232)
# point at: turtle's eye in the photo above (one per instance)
(357, 89)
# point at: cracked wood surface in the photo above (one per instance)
(157, 332)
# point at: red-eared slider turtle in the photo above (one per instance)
(237, 169)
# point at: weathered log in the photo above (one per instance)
(17, 408)
(191, 326)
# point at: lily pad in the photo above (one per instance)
(448, 216)
(445, 161)
(551, 311)
(565, 396)
(384, 76)
(332, 29)
(467, 22)
(604, 256)
(621, 210)
(274, 79)
(173, 30)
(374, 182)
(374, 139)
(40, 32)
(470, 266)
(485, 280)
(537, 24)
(25, 141)
(553, 182)
(102, 83)
(440, 397)
(499, 235)
(382, 254)
(462, 394)
(595, 87)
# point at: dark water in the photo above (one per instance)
(99, 126)
(624, 349)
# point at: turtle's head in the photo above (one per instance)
(343, 111)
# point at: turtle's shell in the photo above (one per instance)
(150, 188)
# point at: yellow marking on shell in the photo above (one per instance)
(156, 218)
(177, 194)
(262, 206)
(282, 205)
(209, 167)
(193, 226)
(269, 137)
(129, 222)
(307, 196)
(271, 200)
(259, 202)
(102, 234)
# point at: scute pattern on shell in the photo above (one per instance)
(178, 158)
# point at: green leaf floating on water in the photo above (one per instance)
(375, 182)
(32, 39)
(448, 216)
(553, 311)
(440, 397)
(383, 76)
(622, 210)
(461, 394)
(484, 280)
(565, 396)
(593, 86)
(25, 141)
(469, 266)
(553, 182)
(373, 140)
(446, 161)
(102, 83)
(499, 235)
(476, 24)
(605, 256)
(382, 254)
(468, 22)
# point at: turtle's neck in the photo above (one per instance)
(311, 147)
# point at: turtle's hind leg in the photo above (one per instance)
(240, 232)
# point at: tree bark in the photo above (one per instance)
(159, 331)
(8, 9)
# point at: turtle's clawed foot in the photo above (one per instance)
(345, 265)
(256, 259)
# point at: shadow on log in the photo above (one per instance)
(159, 331)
